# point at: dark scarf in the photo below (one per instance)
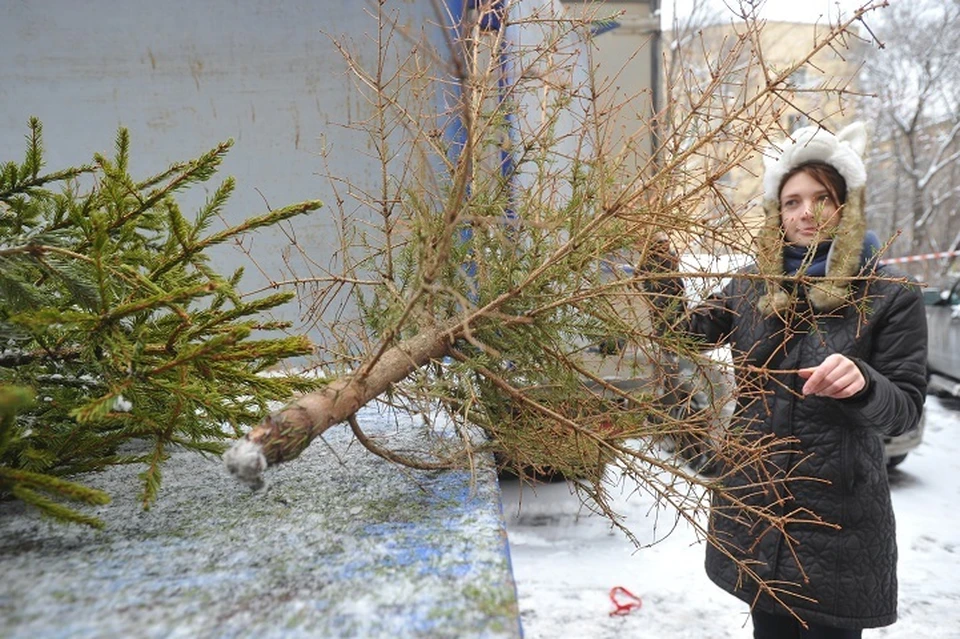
(796, 258)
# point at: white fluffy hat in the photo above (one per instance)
(842, 151)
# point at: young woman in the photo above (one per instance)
(830, 355)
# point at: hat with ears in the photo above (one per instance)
(844, 152)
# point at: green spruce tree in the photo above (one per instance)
(114, 326)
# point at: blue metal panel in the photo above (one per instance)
(342, 544)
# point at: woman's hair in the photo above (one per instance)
(826, 175)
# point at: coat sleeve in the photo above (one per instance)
(709, 321)
(896, 369)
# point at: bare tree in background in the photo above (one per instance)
(915, 165)
(682, 47)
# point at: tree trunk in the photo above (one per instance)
(283, 435)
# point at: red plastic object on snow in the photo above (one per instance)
(627, 603)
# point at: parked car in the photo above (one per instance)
(943, 328)
(943, 361)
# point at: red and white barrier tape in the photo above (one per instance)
(918, 258)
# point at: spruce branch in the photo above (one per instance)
(111, 314)
(266, 219)
(54, 509)
(22, 180)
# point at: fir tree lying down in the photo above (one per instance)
(114, 326)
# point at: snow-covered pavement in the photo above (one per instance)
(566, 560)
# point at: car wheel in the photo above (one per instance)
(896, 460)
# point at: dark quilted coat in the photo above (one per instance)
(843, 576)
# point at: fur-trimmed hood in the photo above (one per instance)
(844, 152)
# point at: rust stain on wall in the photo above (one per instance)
(196, 68)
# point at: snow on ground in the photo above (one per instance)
(566, 560)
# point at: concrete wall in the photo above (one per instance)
(624, 73)
(185, 75)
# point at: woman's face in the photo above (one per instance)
(807, 210)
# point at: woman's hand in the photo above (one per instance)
(837, 377)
